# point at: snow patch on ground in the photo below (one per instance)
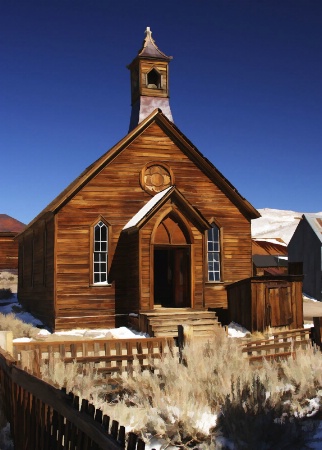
(237, 331)
(12, 305)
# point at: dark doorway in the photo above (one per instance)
(172, 277)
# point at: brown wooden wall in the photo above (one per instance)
(36, 270)
(259, 302)
(8, 251)
(116, 195)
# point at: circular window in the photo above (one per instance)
(156, 177)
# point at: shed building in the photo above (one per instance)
(306, 246)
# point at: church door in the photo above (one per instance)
(171, 277)
(172, 265)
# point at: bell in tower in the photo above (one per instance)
(149, 81)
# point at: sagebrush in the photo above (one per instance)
(9, 322)
(213, 391)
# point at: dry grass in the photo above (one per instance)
(213, 391)
(9, 322)
(8, 280)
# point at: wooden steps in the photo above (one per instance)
(164, 322)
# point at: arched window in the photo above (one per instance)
(100, 253)
(213, 251)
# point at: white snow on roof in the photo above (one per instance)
(275, 224)
(146, 208)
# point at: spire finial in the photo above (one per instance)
(148, 36)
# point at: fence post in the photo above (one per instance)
(6, 338)
(317, 322)
(185, 336)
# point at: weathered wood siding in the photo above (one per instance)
(8, 252)
(162, 67)
(78, 303)
(240, 303)
(36, 270)
(261, 302)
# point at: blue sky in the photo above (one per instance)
(245, 86)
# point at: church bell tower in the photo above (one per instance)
(149, 81)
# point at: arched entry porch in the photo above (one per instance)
(171, 246)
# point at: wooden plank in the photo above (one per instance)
(281, 355)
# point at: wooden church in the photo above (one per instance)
(150, 228)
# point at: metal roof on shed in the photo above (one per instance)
(315, 221)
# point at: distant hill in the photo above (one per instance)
(276, 224)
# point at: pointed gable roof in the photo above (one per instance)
(153, 205)
(315, 222)
(183, 143)
(149, 48)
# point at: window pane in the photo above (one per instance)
(215, 233)
(103, 277)
(103, 233)
(97, 233)
(213, 253)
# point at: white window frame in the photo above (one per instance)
(213, 254)
(100, 253)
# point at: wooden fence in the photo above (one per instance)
(107, 355)
(282, 345)
(45, 418)
(121, 355)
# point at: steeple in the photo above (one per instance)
(149, 81)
